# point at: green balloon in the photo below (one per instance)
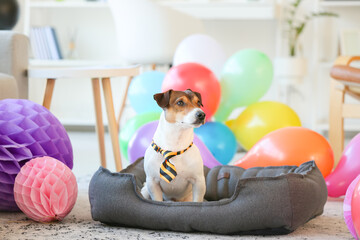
(246, 77)
(130, 128)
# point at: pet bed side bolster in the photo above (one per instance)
(306, 190)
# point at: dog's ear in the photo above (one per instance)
(197, 94)
(163, 99)
(199, 97)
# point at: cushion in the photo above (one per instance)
(270, 200)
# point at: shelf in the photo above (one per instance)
(340, 3)
(203, 9)
(67, 4)
(225, 9)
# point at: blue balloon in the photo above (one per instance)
(219, 139)
(142, 89)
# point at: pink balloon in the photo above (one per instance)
(347, 206)
(45, 189)
(346, 171)
(142, 138)
(355, 209)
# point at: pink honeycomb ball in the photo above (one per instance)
(27, 130)
(45, 189)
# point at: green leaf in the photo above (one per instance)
(297, 3)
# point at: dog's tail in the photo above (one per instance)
(145, 192)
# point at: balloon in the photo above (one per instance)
(45, 189)
(130, 128)
(230, 123)
(347, 169)
(290, 146)
(261, 118)
(246, 77)
(142, 90)
(198, 78)
(219, 139)
(355, 209)
(347, 206)
(144, 135)
(203, 49)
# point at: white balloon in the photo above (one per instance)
(203, 49)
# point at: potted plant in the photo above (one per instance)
(292, 68)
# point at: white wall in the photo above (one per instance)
(96, 40)
(72, 100)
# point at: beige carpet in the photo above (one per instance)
(79, 225)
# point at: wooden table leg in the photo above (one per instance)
(99, 120)
(123, 102)
(336, 120)
(50, 84)
(112, 122)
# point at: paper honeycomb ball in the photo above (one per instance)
(27, 130)
(45, 189)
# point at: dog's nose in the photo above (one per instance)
(200, 115)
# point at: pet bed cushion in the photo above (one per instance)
(270, 200)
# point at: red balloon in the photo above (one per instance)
(290, 146)
(198, 78)
(355, 209)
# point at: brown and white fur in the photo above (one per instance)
(175, 132)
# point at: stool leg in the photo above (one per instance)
(336, 120)
(50, 84)
(99, 120)
(123, 102)
(112, 122)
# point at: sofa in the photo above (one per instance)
(14, 60)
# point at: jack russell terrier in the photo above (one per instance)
(172, 163)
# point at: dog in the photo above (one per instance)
(172, 163)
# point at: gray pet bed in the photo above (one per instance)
(271, 200)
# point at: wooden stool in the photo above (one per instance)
(346, 80)
(95, 74)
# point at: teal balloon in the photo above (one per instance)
(131, 126)
(219, 139)
(246, 77)
(142, 90)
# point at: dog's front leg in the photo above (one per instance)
(154, 189)
(198, 189)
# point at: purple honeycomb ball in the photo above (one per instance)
(27, 130)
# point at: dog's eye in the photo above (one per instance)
(199, 103)
(180, 103)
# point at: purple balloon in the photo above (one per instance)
(27, 130)
(208, 159)
(142, 138)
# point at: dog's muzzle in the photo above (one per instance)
(200, 117)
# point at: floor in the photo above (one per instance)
(79, 225)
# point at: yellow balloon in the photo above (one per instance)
(229, 123)
(261, 118)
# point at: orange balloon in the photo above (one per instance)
(290, 146)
